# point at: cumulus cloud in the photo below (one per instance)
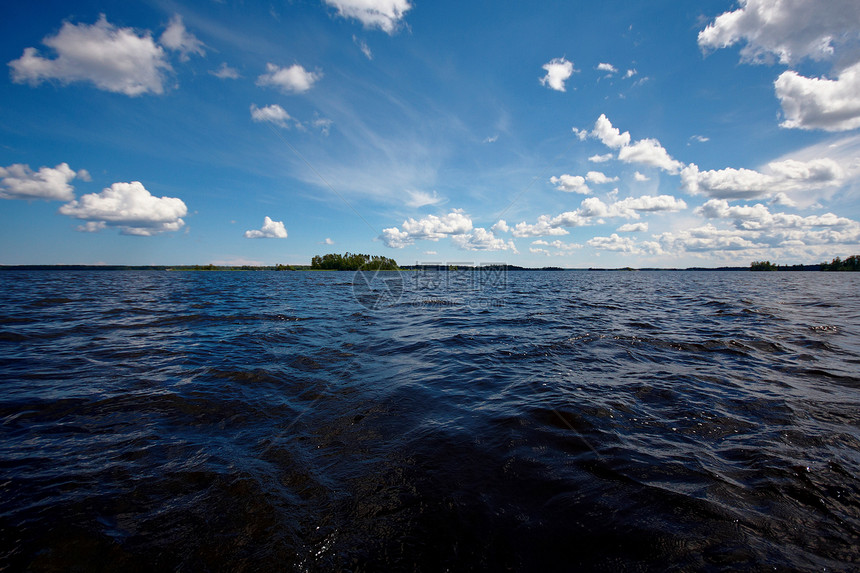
(178, 39)
(649, 152)
(599, 178)
(820, 103)
(295, 79)
(600, 158)
(481, 239)
(610, 136)
(561, 246)
(570, 184)
(640, 177)
(592, 209)
(625, 245)
(271, 114)
(633, 228)
(49, 183)
(609, 68)
(790, 31)
(755, 227)
(114, 59)
(558, 70)
(383, 14)
(430, 227)
(786, 176)
(270, 230)
(225, 72)
(759, 217)
(131, 208)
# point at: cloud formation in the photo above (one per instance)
(49, 183)
(270, 230)
(558, 70)
(271, 114)
(114, 59)
(178, 39)
(788, 176)
(570, 184)
(130, 207)
(295, 79)
(791, 31)
(225, 72)
(430, 227)
(820, 103)
(383, 14)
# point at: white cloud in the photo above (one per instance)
(783, 199)
(544, 226)
(604, 67)
(649, 152)
(430, 227)
(625, 245)
(758, 217)
(630, 73)
(271, 114)
(114, 59)
(600, 158)
(422, 198)
(500, 227)
(699, 138)
(820, 103)
(599, 178)
(649, 203)
(295, 79)
(383, 14)
(610, 136)
(640, 177)
(178, 39)
(362, 45)
(791, 30)
(491, 139)
(558, 70)
(225, 72)
(482, 240)
(633, 228)
(645, 151)
(130, 207)
(780, 177)
(323, 124)
(271, 230)
(559, 245)
(593, 208)
(50, 183)
(536, 251)
(328, 241)
(570, 184)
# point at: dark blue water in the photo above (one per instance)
(458, 421)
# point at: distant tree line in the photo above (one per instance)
(852, 263)
(352, 262)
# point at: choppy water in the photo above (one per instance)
(534, 421)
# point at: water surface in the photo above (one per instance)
(617, 421)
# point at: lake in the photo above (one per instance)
(429, 420)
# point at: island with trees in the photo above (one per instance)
(352, 262)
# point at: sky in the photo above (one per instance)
(568, 134)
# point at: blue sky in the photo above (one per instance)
(610, 133)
